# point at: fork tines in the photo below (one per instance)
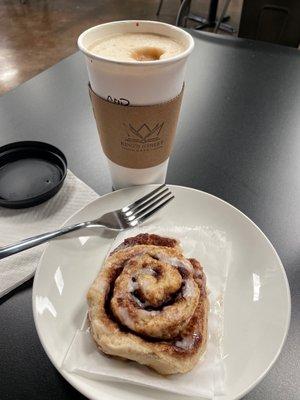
(148, 205)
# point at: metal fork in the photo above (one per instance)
(127, 217)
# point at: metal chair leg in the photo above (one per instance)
(183, 12)
(184, 15)
(159, 7)
(224, 11)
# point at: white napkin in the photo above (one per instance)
(16, 225)
(213, 249)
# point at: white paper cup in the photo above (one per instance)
(141, 83)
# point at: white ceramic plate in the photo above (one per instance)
(257, 299)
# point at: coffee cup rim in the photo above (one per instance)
(169, 60)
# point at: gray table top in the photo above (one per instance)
(238, 138)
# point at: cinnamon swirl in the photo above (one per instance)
(149, 304)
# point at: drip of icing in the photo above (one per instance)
(175, 262)
(139, 303)
(188, 289)
(125, 317)
(132, 286)
(102, 286)
(148, 271)
(187, 343)
(146, 313)
(145, 285)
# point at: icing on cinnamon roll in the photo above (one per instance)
(149, 304)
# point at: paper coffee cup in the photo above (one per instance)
(137, 83)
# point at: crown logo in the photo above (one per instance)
(144, 134)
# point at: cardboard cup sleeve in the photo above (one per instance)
(136, 136)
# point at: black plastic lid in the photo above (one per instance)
(30, 173)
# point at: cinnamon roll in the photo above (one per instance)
(149, 304)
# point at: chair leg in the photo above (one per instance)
(222, 16)
(183, 12)
(159, 7)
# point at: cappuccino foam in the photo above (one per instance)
(137, 47)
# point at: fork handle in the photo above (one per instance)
(39, 239)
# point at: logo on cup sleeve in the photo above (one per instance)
(144, 137)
